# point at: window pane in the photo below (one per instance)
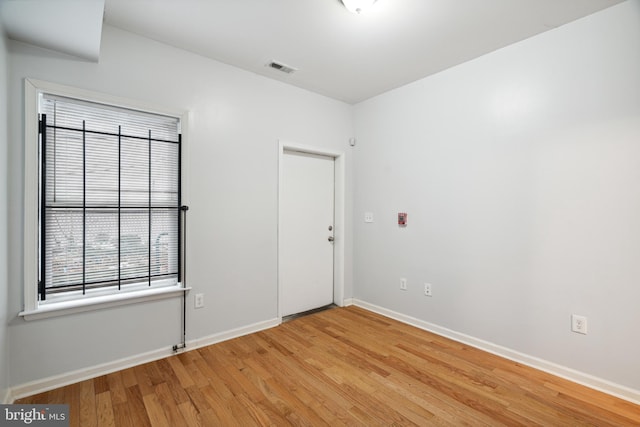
(101, 156)
(64, 247)
(134, 244)
(64, 168)
(164, 174)
(135, 172)
(164, 241)
(105, 118)
(101, 254)
(105, 168)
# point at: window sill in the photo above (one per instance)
(100, 302)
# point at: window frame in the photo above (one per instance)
(34, 309)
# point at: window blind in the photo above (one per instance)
(109, 197)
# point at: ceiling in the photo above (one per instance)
(337, 53)
(77, 30)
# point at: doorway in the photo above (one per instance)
(310, 229)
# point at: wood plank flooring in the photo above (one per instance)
(344, 366)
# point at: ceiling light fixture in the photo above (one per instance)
(358, 6)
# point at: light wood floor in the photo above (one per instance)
(344, 366)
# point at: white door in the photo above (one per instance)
(307, 231)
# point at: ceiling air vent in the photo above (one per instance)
(281, 67)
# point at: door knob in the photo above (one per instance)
(331, 238)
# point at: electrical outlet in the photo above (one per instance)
(368, 217)
(427, 289)
(579, 324)
(403, 284)
(199, 300)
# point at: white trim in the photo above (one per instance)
(30, 195)
(7, 398)
(32, 89)
(339, 214)
(347, 302)
(233, 333)
(582, 378)
(61, 380)
(100, 302)
(67, 378)
(100, 97)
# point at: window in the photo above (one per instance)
(109, 201)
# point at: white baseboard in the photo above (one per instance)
(347, 302)
(7, 397)
(582, 378)
(61, 380)
(40, 386)
(234, 333)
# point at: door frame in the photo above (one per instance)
(339, 215)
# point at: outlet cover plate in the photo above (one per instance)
(579, 324)
(199, 301)
(427, 290)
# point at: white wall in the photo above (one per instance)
(231, 176)
(4, 346)
(520, 173)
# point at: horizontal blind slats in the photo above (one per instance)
(104, 118)
(111, 210)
